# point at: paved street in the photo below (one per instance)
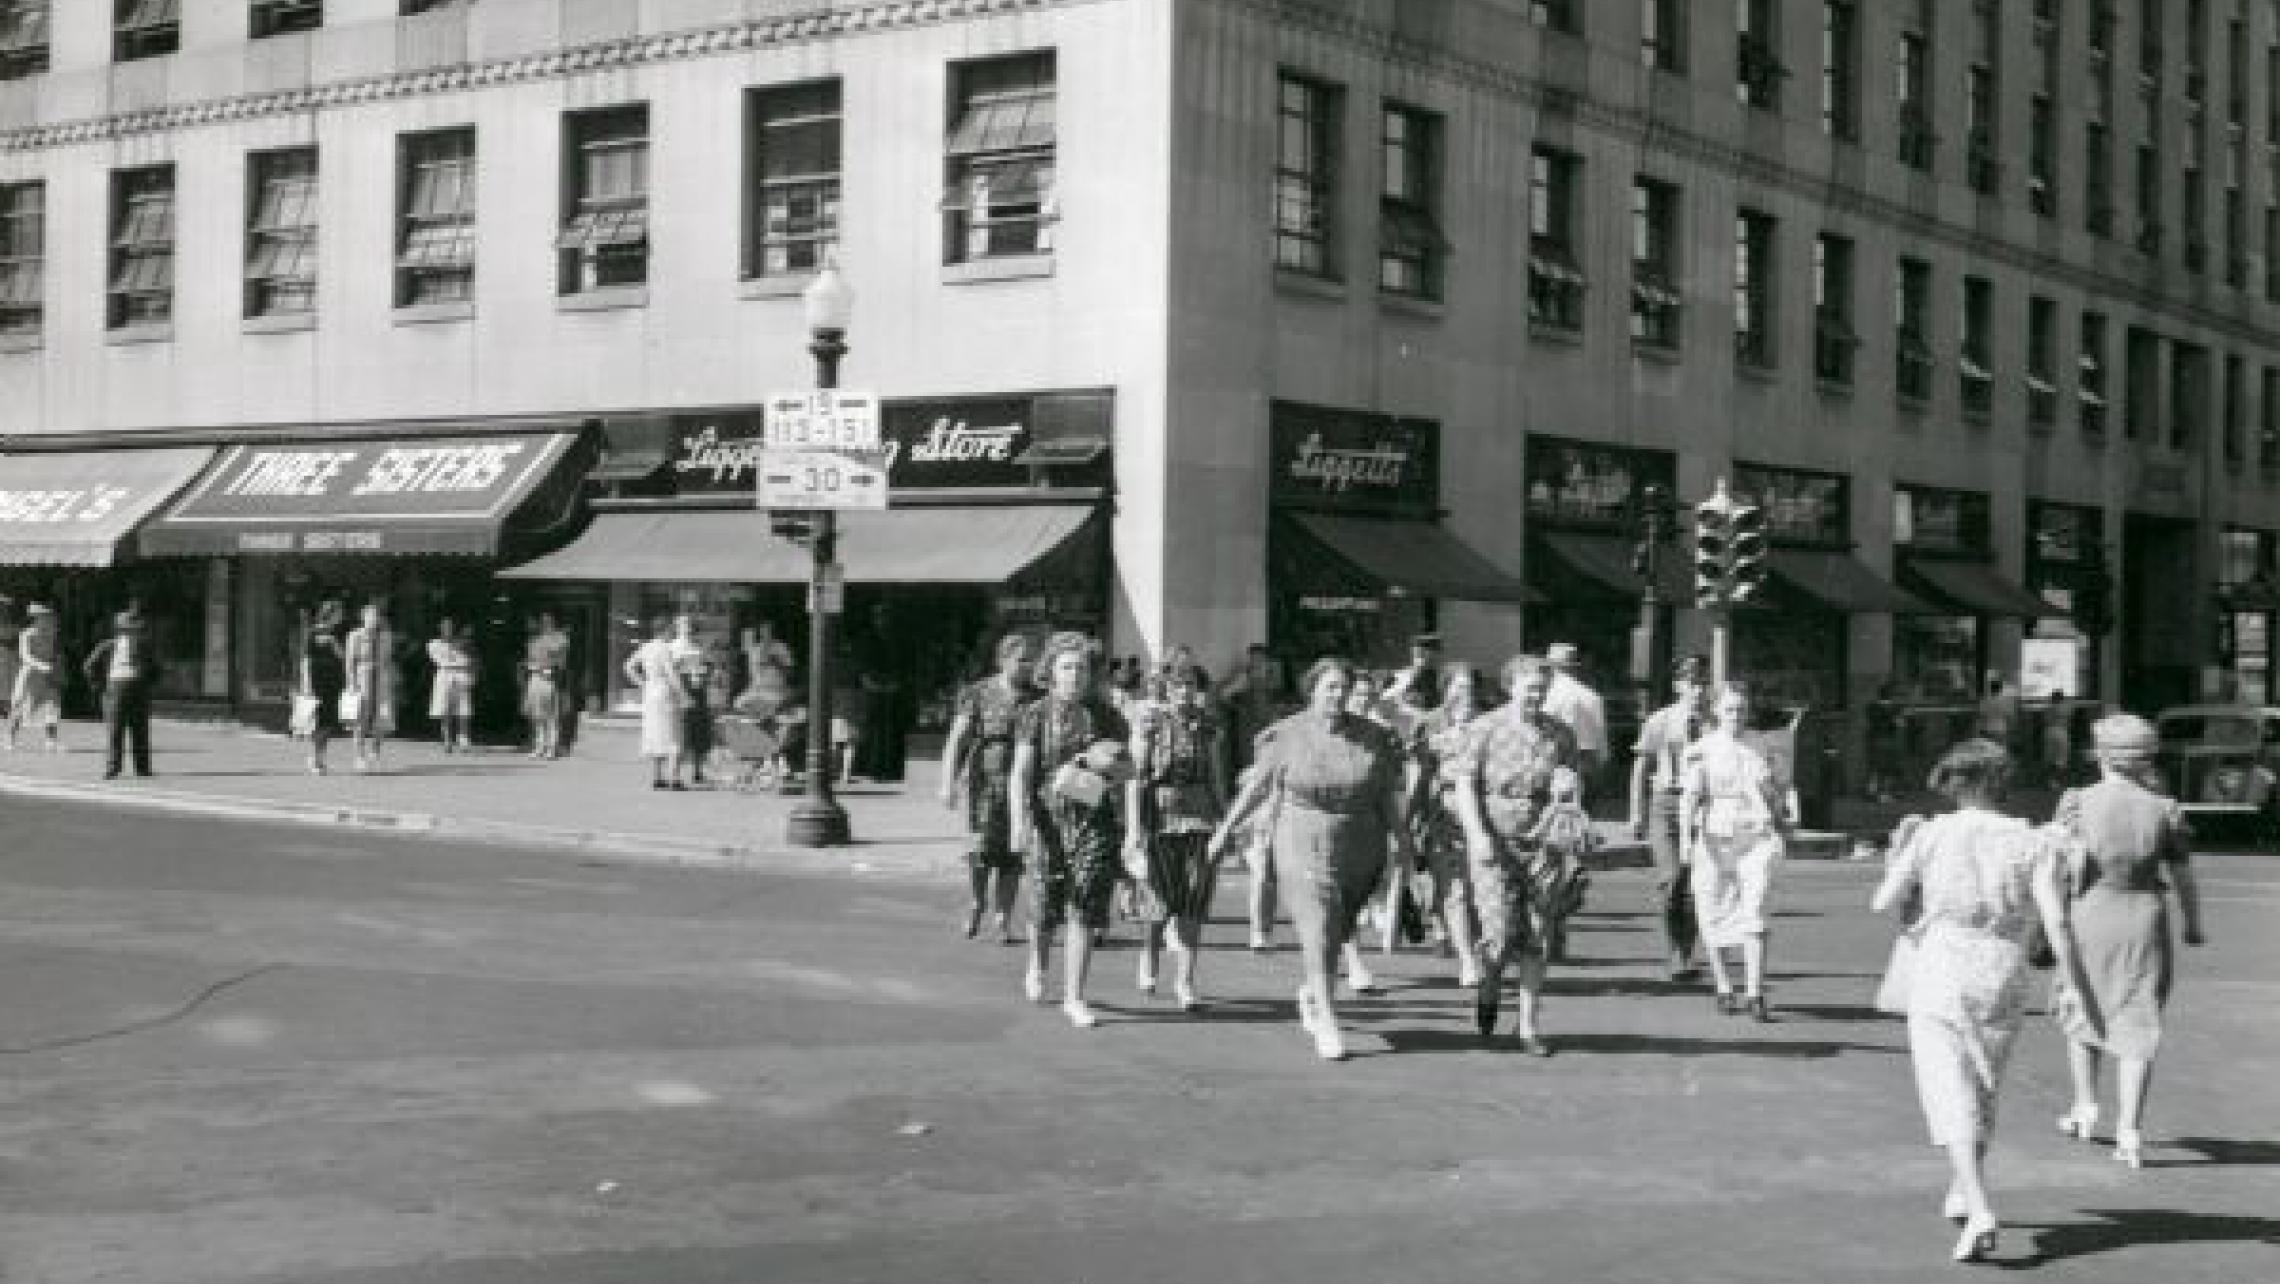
(267, 1054)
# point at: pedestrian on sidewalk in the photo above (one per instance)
(1071, 758)
(451, 692)
(653, 668)
(1735, 822)
(2133, 847)
(11, 629)
(1437, 833)
(1573, 702)
(125, 669)
(693, 668)
(546, 656)
(1980, 877)
(38, 694)
(324, 676)
(1179, 792)
(371, 693)
(977, 763)
(1657, 768)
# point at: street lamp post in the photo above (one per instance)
(818, 820)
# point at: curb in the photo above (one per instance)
(622, 848)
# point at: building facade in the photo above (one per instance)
(1385, 310)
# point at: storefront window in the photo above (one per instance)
(2246, 583)
(2066, 567)
(1935, 658)
(1573, 483)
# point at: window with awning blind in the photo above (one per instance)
(792, 178)
(281, 237)
(435, 233)
(605, 217)
(23, 38)
(277, 17)
(999, 196)
(145, 28)
(23, 257)
(142, 247)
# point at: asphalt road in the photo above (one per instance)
(260, 1055)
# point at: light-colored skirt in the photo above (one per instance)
(453, 695)
(35, 698)
(660, 721)
(1732, 876)
(2123, 937)
(1966, 1003)
(1326, 864)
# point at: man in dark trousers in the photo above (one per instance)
(124, 667)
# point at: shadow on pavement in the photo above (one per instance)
(1837, 1012)
(2117, 1228)
(2222, 1153)
(1587, 1044)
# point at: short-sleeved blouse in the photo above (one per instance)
(1343, 765)
(2130, 833)
(1517, 763)
(1730, 776)
(1976, 870)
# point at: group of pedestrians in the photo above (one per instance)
(687, 685)
(123, 669)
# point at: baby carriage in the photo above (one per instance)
(755, 743)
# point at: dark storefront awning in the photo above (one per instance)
(77, 509)
(1974, 588)
(1413, 557)
(426, 494)
(1603, 562)
(946, 545)
(1840, 582)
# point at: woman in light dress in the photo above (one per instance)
(451, 696)
(2126, 838)
(546, 658)
(655, 668)
(372, 684)
(38, 693)
(1976, 879)
(1733, 820)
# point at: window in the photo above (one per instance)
(2196, 51)
(1306, 176)
(2097, 179)
(2100, 37)
(2236, 238)
(425, 6)
(1555, 15)
(281, 233)
(1662, 35)
(1655, 298)
(1912, 311)
(2236, 72)
(1840, 69)
(2268, 436)
(605, 200)
(1757, 55)
(2148, 200)
(1555, 269)
(1981, 169)
(1754, 288)
(145, 28)
(1914, 79)
(1834, 339)
(2194, 215)
(2042, 364)
(1975, 366)
(792, 178)
(23, 256)
(276, 17)
(2042, 156)
(23, 38)
(1410, 245)
(2090, 376)
(2235, 411)
(435, 219)
(2188, 394)
(2272, 247)
(2141, 395)
(1001, 192)
(2149, 39)
(142, 247)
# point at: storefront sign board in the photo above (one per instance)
(955, 443)
(822, 479)
(1329, 458)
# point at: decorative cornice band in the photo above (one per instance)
(1653, 133)
(635, 51)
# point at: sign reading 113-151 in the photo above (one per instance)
(821, 449)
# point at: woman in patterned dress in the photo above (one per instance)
(2129, 836)
(1733, 821)
(1440, 836)
(1070, 761)
(1178, 795)
(1980, 878)
(1329, 785)
(978, 758)
(545, 658)
(1519, 797)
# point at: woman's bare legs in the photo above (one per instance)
(1261, 861)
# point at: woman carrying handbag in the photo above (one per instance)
(324, 676)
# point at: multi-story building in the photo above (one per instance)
(1203, 321)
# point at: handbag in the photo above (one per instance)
(351, 704)
(303, 723)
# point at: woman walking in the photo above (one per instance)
(2130, 838)
(653, 668)
(545, 658)
(978, 760)
(1179, 792)
(1070, 761)
(451, 694)
(324, 675)
(1733, 819)
(1439, 835)
(372, 684)
(1519, 796)
(1977, 878)
(1329, 784)
(38, 695)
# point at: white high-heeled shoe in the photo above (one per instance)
(1079, 1013)
(1033, 984)
(1978, 1240)
(1184, 995)
(2129, 1147)
(2078, 1121)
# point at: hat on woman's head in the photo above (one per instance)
(1064, 641)
(2124, 734)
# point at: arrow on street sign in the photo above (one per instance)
(822, 479)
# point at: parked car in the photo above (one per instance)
(2222, 762)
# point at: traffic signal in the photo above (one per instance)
(1713, 539)
(1745, 552)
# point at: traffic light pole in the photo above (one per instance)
(818, 820)
(1721, 634)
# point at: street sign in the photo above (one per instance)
(825, 418)
(822, 479)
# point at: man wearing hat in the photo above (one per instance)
(1417, 686)
(1577, 705)
(124, 667)
(1655, 793)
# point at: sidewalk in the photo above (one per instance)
(597, 800)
